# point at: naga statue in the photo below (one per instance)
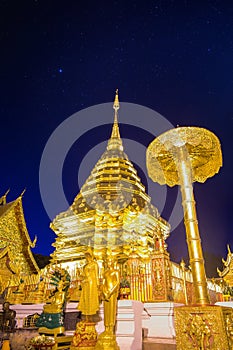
(52, 318)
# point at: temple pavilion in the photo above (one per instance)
(16, 258)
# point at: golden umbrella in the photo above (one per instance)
(182, 156)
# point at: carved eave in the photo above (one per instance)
(227, 273)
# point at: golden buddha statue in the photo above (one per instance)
(110, 290)
(111, 284)
(85, 335)
(89, 299)
(56, 303)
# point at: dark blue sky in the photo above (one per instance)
(58, 57)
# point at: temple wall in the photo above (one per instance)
(147, 281)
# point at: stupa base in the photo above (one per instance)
(204, 327)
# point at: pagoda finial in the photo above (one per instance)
(116, 104)
(115, 140)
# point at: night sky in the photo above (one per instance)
(58, 58)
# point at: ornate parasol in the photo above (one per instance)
(182, 156)
(202, 146)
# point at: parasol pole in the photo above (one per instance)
(180, 157)
(191, 225)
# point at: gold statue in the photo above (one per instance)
(85, 335)
(89, 299)
(56, 302)
(111, 284)
(19, 295)
(52, 317)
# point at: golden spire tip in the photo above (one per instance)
(116, 104)
(115, 139)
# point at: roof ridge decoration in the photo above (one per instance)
(3, 198)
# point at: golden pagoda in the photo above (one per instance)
(16, 258)
(113, 213)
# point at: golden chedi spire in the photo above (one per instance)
(115, 141)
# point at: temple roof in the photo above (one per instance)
(112, 208)
(14, 237)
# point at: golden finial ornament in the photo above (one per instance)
(115, 141)
(116, 104)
